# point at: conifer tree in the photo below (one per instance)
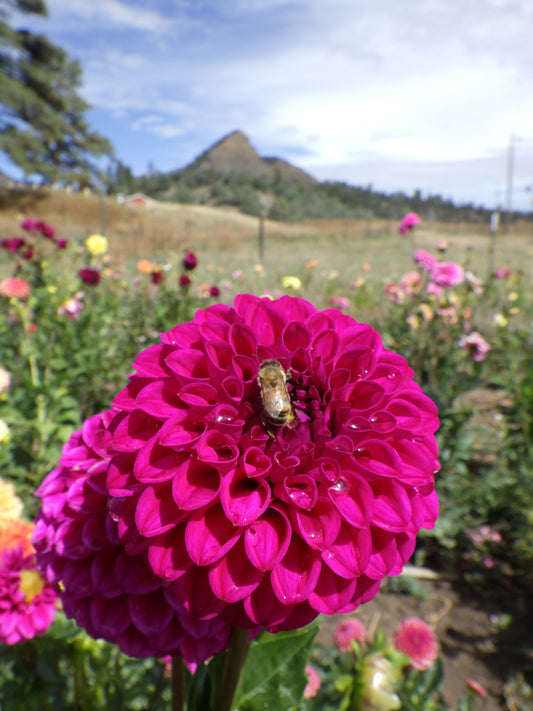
(42, 126)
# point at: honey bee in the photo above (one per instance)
(277, 406)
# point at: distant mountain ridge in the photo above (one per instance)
(235, 154)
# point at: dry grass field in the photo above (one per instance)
(226, 240)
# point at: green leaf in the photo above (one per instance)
(274, 676)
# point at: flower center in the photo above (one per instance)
(31, 584)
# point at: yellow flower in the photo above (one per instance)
(500, 320)
(96, 245)
(513, 296)
(51, 289)
(413, 322)
(10, 504)
(291, 282)
(426, 311)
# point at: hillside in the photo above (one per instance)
(232, 174)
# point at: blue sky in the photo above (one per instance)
(400, 94)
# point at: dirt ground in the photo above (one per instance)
(472, 643)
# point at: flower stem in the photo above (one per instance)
(177, 684)
(235, 661)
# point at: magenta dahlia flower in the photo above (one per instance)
(106, 588)
(409, 222)
(447, 274)
(90, 276)
(27, 602)
(417, 640)
(425, 260)
(263, 521)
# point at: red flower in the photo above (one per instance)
(90, 276)
(190, 261)
(416, 639)
(157, 276)
(214, 291)
(184, 280)
(61, 242)
(105, 588)
(265, 525)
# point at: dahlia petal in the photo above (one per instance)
(295, 577)
(220, 356)
(156, 463)
(76, 579)
(149, 613)
(199, 396)
(300, 490)
(264, 609)
(69, 540)
(227, 419)
(133, 575)
(384, 555)
(217, 449)
(353, 498)
(296, 335)
(267, 324)
(325, 345)
(195, 484)
(233, 388)
(366, 395)
(151, 361)
(132, 431)
(267, 539)
(167, 555)
(333, 594)
(245, 368)
(182, 430)
(192, 593)
(418, 464)
(242, 339)
(376, 457)
(358, 361)
(186, 335)
(350, 553)
(160, 398)
(244, 499)
(103, 577)
(209, 536)
(188, 364)
(255, 462)
(109, 617)
(319, 527)
(383, 422)
(126, 399)
(232, 578)
(156, 511)
(392, 506)
(120, 480)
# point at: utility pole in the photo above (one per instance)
(509, 182)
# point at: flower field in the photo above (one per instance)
(160, 502)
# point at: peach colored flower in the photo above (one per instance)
(14, 533)
(10, 504)
(14, 288)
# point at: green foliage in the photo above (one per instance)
(42, 125)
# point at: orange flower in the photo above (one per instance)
(145, 266)
(14, 533)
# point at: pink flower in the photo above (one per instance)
(411, 283)
(27, 602)
(72, 307)
(410, 221)
(475, 345)
(341, 302)
(108, 589)
(47, 230)
(61, 242)
(271, 525)
(416, 639)
(441, 245)
(425, 260)
(432, 289)
(90, 276)
(14, 288)
(502, 273)
(347, 631)
(313, 682)
(13, 245)
(190, 261)
(447, 274)
(395, 293)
